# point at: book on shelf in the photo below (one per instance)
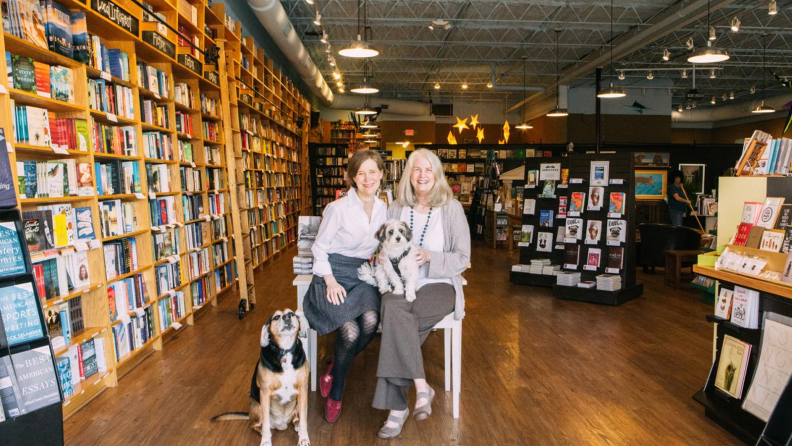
(595, 195)
(31, 125)
(732, 366)
(562, 207)
(772, 240)
(545, 218)
(577, 203)
(599, 173)
(12, 261)
(754, 237)
(529, 206)
(723, 305)
(125, 296)
(745, 308)
(544, 242)
(30, 375)
(120, 257)
(593, 232)
(19, 311)
(526, 235)
(769, 212)
(25, 20)
(616, 232)
(771, 374)
(751, 212)
(574, 230)
(172, 309)
(616, 203)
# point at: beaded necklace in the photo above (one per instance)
(426, 226)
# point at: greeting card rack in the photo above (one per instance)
(620, 178)
(542, 203)
(25, 429)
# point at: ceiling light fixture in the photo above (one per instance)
(650, 76)
(366, 110)
(731, 95)
(559, 112)
(687, 106)
(318, 19)
(365, 87)
(340, 84)
(666, 55)
(710, 54)
(368, 124)
(489, 84)
(713, 100)
(684, 74)
(621, 75)
(610, 92)
(772, 8)
(310, 2)
(324, 37)
(332, 62)
(336, 75)
(361, 48)
(712, 73)
(762, 108)
(680, 108)
(431, 26)
(724, 96)
(465, 86)
(753, 89)
(436, 86)
(524, 124)
(735, 24)
(712, 34)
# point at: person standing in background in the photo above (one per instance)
(677, 203)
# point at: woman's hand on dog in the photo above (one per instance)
(335, 292)
(422, 256)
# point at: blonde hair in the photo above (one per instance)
(441, 192)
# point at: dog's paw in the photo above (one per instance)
(266, 442)
(410, 296)
(304, 442)
(384, 289)
(398, 290)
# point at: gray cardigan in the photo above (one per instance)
(455, 258)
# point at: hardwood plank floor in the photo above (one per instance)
(537, 371)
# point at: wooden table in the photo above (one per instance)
(673, 264)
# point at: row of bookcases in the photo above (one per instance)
(132, 160)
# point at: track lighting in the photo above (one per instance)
(465, 86)
(621, 75)
(666, 54)
(710, 54)
(712, 74)
(689, 44)
(731, 95)
(762, 108)
(318, 19)
(310, 2)
(436, 86)
(687, 106)
(724, 96)
(684, 74)
(650, 76)
(489, 84)
(431, 26)
(772, 8)
(336, 75)
(713, 100)
(694, 104)
(324, 37)
(328, 50)
(735, 24)
(712, 34)
(753, 89)
(332, 62)
(680, 108)
(340, 84)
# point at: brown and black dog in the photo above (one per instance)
(279, 388)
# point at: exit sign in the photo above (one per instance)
(409, 132)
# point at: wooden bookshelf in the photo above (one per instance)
(215, 152)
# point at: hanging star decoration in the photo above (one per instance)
(788, 84)
(500, 141)
(473, 121)
(480, 134)
(451, 139)
(461, 124)
(506, 132)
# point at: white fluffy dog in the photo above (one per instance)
(400, 273)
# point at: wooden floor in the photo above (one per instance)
(537, 371)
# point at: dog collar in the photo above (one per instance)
(395, 262)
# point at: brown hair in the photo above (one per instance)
(357, 160)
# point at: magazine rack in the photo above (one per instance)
(26, 429)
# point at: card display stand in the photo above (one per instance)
(26, 429)
(528, 253)
(621, 178)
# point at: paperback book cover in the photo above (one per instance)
(24, 73)
(562, 207)
(593, 232)
(36, 378)
(574, 230)
(593, 259)
(545, 218)
(544, 242)
(526, 235)
(7, 194)
(769, 212)
(59, 32)
(9, 405)
(577, 202)
(599, 173)
(89, 358)
(723, 305)
(732, 365)
(615, 257)
(548, 190)
(38, 230)
(616, 203)
(741, 237)
(20, 313)
(64, 375)
(84, 220)
(571, 254)
(617, 232)
(32, 22)
(772, 240)
(529, 206)
(784, 217)
(595, 198)
(12, 261)
(751, 212)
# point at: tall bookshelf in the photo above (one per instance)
(210, 153)
(328, 168)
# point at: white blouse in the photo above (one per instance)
(346, 230)
(433, 240)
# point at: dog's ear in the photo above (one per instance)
(303, 329)
(265, 334)
(381, 232)
(407, 232)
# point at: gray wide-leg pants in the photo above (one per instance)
(405, 326)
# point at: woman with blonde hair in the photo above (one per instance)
(441, 237)
(337, 300)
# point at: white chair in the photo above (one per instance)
(451, 327)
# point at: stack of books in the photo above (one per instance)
(537, 265)
(609, 282)
(568, 278)
(551, 270)
(308, 229)
(587, 284)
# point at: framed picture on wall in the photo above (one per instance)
(651, 184)
(652, 159)
(693, 177)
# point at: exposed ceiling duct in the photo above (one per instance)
(275, 20)
(741, 109)
(394, 106)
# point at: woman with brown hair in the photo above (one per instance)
(337, 299)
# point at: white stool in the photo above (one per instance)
(302, 282)
(452, 329)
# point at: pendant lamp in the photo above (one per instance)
(365, 87)
(524, 125)
(611, 92)
(557, 112)
(762, 108)
(360, 48)
(710, 54)
(366, 109)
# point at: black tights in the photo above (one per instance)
(352, 338)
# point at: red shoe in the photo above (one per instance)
(332, 410)
(326, 381)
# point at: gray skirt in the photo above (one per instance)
(361, 297)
